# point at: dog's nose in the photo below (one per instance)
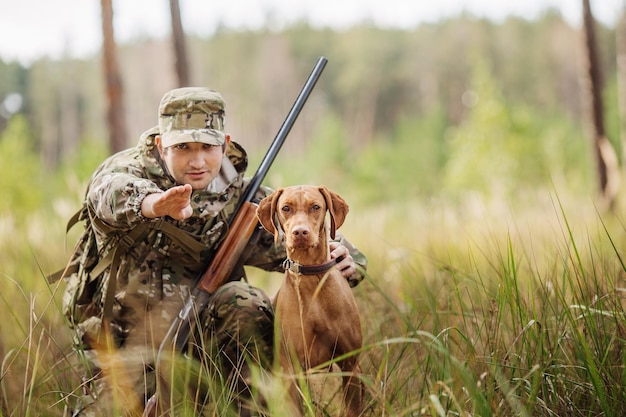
(300, 231)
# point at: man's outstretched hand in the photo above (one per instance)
(175, 202)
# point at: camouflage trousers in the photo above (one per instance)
(233, 346)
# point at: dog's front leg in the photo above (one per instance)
(352, 388)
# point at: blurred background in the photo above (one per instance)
(417, 101)
(435, 114)
(479, 143)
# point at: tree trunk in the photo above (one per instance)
(180, 50)
(606, 157)
(115, 112)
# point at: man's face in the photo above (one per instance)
(193, 163)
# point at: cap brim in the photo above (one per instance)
(208, 136)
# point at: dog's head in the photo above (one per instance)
(300, 213)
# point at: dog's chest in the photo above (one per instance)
(319, 301)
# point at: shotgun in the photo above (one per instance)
(242, 224)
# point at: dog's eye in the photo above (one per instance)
(286, 209)
(315, 207)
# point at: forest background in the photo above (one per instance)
(465, 149)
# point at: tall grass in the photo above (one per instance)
(471, 310)
(521, 321)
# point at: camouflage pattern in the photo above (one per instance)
(152, 268)
(191, 114)
(157, 273)
(238, 322)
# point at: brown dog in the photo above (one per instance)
(315, 307)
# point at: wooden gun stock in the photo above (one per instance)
(230, 250)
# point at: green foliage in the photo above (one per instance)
(76, 169)
(21, 172)
(390, 169)
(12, 79)
(327, 150)
(501, 148)
(406, 165)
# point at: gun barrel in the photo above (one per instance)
(284, 130)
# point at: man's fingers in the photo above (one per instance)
(179, 194)
(346, 265)
(175, 203)
(180, 190)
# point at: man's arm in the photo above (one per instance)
(115, 196)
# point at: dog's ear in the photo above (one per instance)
(337, 208)
(266, 212)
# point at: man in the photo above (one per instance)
(157, 211)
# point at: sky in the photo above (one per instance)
(31, 29)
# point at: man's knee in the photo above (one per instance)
(239, 309)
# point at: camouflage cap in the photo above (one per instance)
(191, 114)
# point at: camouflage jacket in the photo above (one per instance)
(164, 257)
